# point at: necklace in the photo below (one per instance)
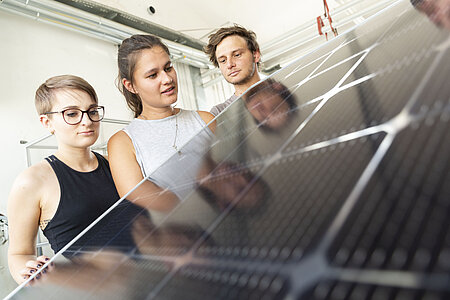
(174, 146)
(176, 133)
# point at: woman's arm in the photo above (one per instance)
(127, 174)
(23, 221)
(208, 117)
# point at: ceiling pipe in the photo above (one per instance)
(73, 19)
(132, 21)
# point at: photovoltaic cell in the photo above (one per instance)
(334, 290)
(328, 180)
(367, 104)
(301, 211)
(213, 283)
(403, 222)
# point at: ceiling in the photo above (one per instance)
(198, 18)
(285, 28)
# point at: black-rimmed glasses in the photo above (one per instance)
(73, 116)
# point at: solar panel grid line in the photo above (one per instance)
(74, 240)
(436, 62)
(343, 138)
(422, 211)
(373, 26)
(324, 58)
(354, 196)
(326, 97)
(241, 142)
(268, 157)
(230, 207)
(301, 66)
(392, 93)
(340, 62)
(297, 64)
(444, 45)
(444, 228)
(436, 90)
(356, 187)
(298, 232)
(307, 274)
(358, 81)
(205, 234)
(394, 23)
(405, 61)
(312, 101)
(384, 46)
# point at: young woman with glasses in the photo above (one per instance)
(67, 191)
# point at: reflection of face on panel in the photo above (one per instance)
(236, 62)
(269, 107)
(438, 11)
(81, 135)
(155, 79)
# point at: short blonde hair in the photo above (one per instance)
(45, 94)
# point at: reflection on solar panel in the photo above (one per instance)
(329, 180)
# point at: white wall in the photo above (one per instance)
(30, 52)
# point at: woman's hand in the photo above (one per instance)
(33, 266)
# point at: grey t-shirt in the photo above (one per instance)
(219, 107)
(154, 141)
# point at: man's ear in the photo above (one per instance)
(256, 56)
(128, 85)
(45, 121)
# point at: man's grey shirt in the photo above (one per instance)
(219, 107)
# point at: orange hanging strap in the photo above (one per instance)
(325, 8)
(327, 15)
(320, 25)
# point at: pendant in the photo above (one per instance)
(176, 149)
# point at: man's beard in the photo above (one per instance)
(247, 78)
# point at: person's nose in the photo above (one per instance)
(166, 78)
(230, 63)
(85, 118)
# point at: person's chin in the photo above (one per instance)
(84, 145)
(87, 141)
(172, 101)
(235, 80)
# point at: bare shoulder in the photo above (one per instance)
(33, 182)
(35, 176)
(207, 117)
(119, 139)
(120, 145)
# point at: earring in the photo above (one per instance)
(52, 132)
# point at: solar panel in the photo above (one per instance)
(329, 180)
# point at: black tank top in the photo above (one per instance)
(84, 197)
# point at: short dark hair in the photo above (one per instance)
(217, 37)
(274, 87)
(416, 2)
(45, 94)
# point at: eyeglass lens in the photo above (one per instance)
(74, 116)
